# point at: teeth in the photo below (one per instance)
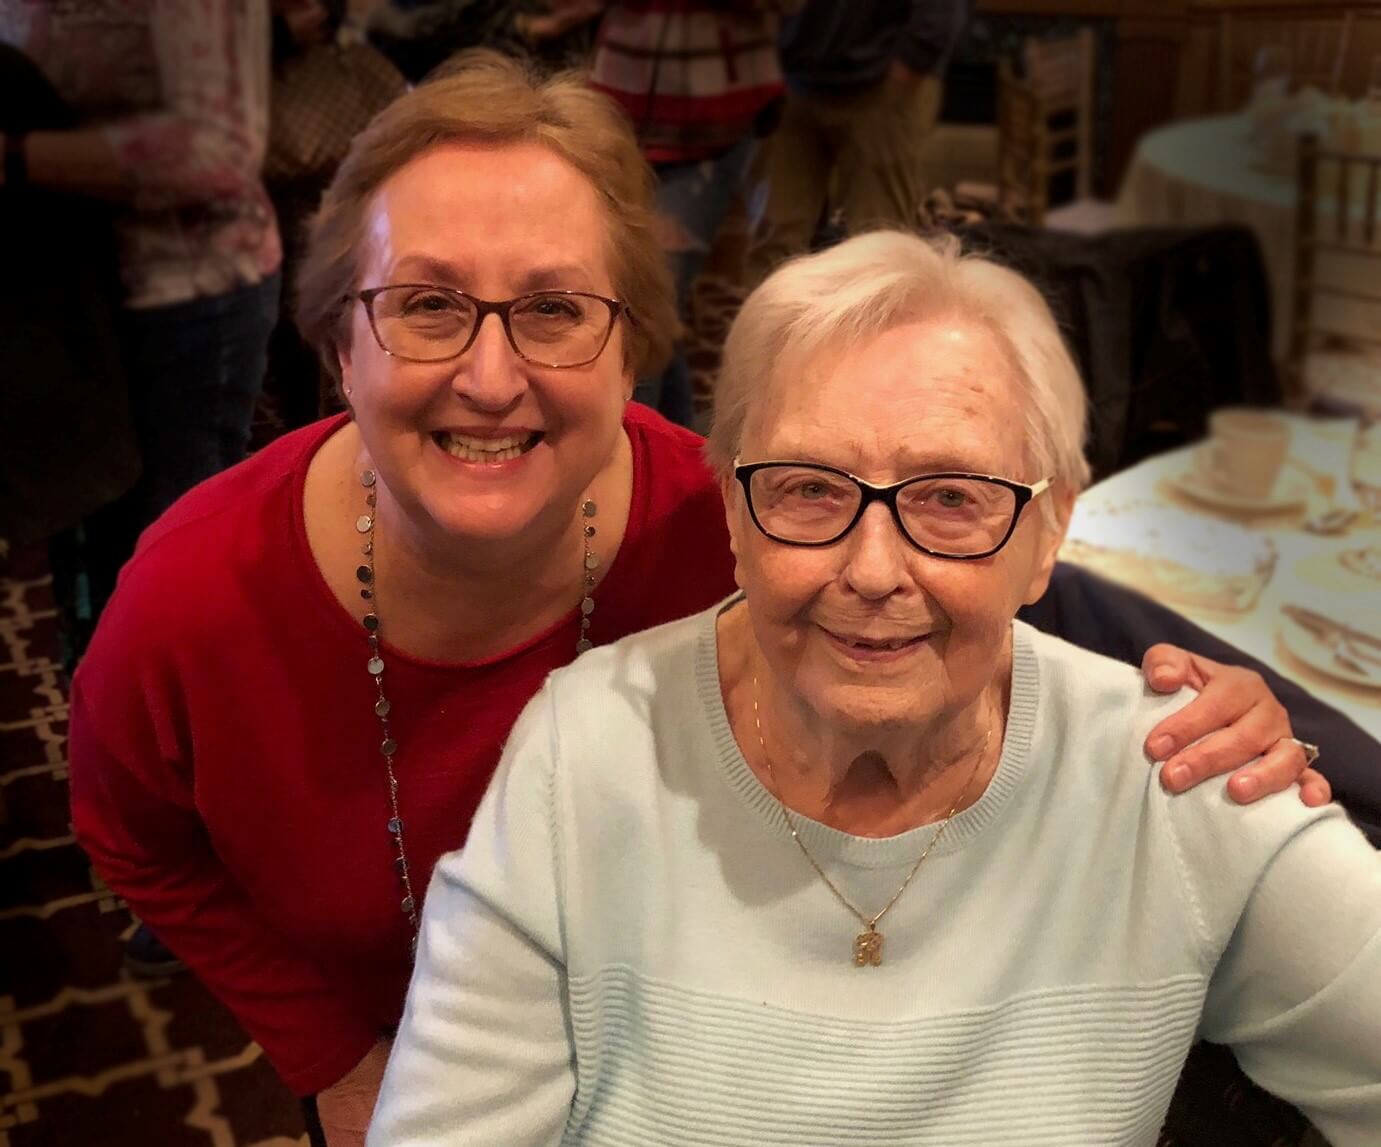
(485, 449)
(894, 644)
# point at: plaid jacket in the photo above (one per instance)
(692, 76)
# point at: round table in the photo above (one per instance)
(1307, 571)
(1205, 172)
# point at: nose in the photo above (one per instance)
(876, 564)
(490, 376)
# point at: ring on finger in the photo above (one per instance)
(1311, 752)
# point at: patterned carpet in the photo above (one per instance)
(90, 1057)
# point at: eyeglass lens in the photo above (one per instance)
(958, 517)
(428, 324)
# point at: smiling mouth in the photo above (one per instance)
(467, 448)
(877, 645)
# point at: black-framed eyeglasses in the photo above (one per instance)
(422, 322)
(946, 515)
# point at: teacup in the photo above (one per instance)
(1244, 452)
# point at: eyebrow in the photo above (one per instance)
(911, 464)
(557, 276)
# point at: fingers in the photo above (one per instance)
(1231, 744)
(1315, 791)
(1235, 699)
(1166, 668)
(1279, 768)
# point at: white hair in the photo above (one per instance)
(867, 285)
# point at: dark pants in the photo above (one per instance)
(195, 370)
(695, 197)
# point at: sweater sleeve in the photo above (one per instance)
(1297, 990)
(134, 813)
(484, 1053)
(207, 139)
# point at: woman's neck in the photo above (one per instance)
(866, 781)
(450, 599)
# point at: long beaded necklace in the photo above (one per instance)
(867, 950)
(388, 745)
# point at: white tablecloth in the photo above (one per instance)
(1205, 172)
(1307, 573)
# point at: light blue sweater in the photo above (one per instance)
(630, 950)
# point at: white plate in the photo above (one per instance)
(1307, 648)
(1291, 492)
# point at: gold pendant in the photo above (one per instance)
(868, 948)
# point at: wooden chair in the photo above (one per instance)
(1045, 131)
(1335, 345)
(1317, 46)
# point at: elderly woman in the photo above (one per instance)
(853, 855)
(303, 685)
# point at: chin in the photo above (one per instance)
(866, 707)
(486, 519)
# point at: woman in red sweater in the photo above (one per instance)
(297, 696)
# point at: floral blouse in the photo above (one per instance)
(180, 88)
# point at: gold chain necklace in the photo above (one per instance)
(388, 746)
(867, 950)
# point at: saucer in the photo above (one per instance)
(1292, 492)
(1304, 646)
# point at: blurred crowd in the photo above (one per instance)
(163, 157)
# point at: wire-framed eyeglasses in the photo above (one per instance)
(422, 322)
(952, 515)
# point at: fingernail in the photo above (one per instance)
(1162, 677)
(1246, 786)
(1178, 777)
(1161, 746)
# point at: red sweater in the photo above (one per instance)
(226, 778)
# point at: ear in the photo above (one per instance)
(732, 494)
(343, 361)
(1052, 537)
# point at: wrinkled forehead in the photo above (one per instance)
(937, 393)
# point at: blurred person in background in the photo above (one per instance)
(420, 35)
(700, 82)
(172, 106)
(864, 84)
(327, 85)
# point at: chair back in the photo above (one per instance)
(1316, 46)
(1045, 124)
(1337, 256)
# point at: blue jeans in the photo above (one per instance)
(195, 370)
(696, 196)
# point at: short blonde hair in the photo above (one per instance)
(482, 96)
(870, 284)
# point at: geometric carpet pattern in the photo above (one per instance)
(90, 1056)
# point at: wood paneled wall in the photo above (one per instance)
(1166, 63)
